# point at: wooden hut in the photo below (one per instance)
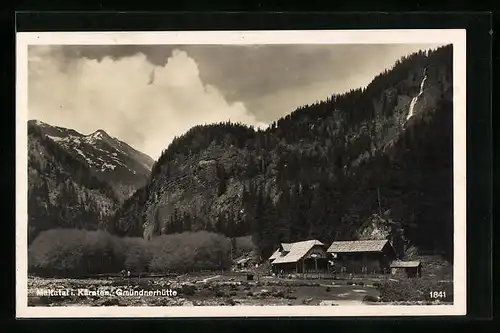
(409, 269)
(364, 256)
(301, 257)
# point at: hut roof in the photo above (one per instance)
(358, 246)
(404, 264)
(275, 255)
(286, 248)
(296, 251)
(243, 261)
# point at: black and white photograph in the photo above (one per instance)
(256, 173)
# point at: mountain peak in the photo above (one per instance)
(99, 134)
(37, 122)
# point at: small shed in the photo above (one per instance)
(409, 269)
(242, 263)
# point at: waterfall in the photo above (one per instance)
(412, 105)
(415, 99)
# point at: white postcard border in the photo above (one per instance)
(437, 36)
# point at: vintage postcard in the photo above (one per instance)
(256, 173)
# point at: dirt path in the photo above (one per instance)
(342, 302)
(210, 279)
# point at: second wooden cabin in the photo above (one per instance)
(364, 256)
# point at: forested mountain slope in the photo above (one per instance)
(373, 161)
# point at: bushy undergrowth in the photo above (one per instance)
(418, 289)
(74, 253)
(191, 251)
(243, 245)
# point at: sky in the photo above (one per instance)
(146, 95)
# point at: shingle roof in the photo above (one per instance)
(286, 247)
(404, 264)
(357, 246)
(297, 251)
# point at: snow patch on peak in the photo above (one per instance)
(80, 152)
(96, 136)
(100, 132)
(55, 138)
(105, 166)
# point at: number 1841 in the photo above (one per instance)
(437, 294)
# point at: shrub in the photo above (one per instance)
(137, 254)
(190, 251)
(414, 290)
(99, 253)
(244, 245)
(220, 293)
(437, 267)
(71, 252)
(370, 298)
(76, 253)
(188, 290)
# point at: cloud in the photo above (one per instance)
(143, 104)
(271, 80)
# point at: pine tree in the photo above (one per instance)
(222, 177)
(187, 222)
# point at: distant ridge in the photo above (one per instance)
(77, 180)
